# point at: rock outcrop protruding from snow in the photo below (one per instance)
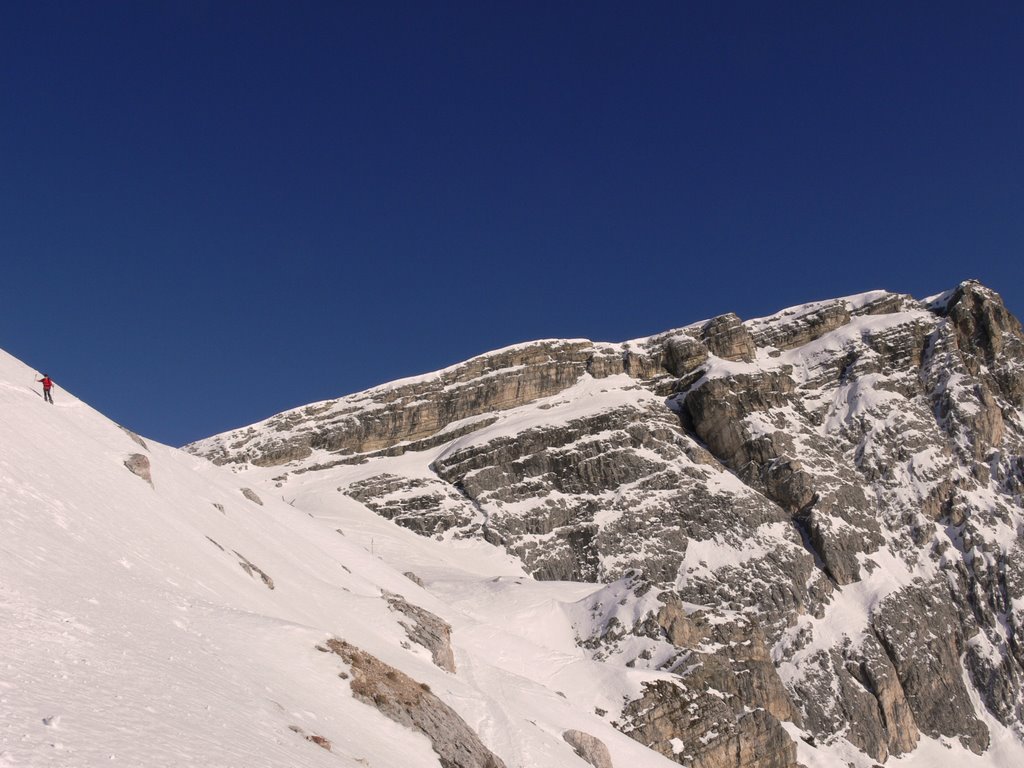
(426, 629)
(138, 465)
(251, 568)
(135, 438)
(411, 412)
(252, 496)
(699, 727)
(410, 703)
(590, 748)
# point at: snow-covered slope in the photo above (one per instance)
(182, 622)
(809, 525)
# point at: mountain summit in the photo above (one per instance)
(810, 521)
(793, 540)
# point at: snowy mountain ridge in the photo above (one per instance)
(787, 541)
(812, 519)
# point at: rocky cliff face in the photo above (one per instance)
(812, 521)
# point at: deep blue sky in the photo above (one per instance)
(213, 211)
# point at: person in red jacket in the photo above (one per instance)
(47, 383)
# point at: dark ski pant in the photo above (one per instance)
(47, 396)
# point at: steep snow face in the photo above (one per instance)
(184, 621)
(811, 522)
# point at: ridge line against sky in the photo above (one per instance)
(215, 211)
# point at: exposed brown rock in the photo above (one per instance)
(426, 629)
(251, 568)
(728, 338)
(139, 466)
(590, 748)
(803, 328)
(411, 704)
(252, 496)
(711, 734)
(683, 355)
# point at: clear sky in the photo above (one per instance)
(214, 211)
